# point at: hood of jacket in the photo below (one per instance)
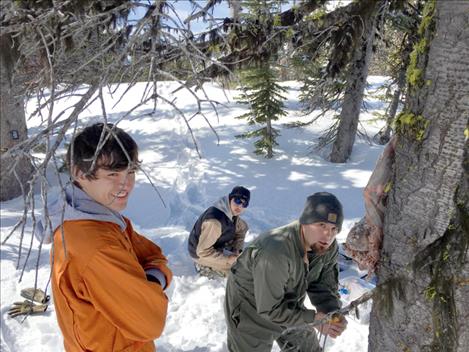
(76, 205)
(223, 204)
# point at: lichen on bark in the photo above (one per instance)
(411, 125)
(419, 55)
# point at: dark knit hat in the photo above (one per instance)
(240, 192)
(322, 207)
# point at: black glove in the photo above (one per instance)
(26, 308)
(36, 295)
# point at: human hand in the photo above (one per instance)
(26, 307)
(232, 259)
(333, 327)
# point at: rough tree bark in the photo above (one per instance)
(423, 300)
(12, 125)
(356, 83)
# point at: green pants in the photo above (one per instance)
(248, 332)
(294, 341)
(299, 340)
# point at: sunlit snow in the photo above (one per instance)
(188, 185)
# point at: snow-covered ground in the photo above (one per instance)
(188, 185)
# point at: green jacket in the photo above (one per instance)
(270, 279)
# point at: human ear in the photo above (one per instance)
(77, 175)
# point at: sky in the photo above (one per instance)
(184, 8)
(188, 185)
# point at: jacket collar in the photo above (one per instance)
(297, 238)
(223, 204)
(76, 204)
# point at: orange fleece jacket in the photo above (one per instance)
(101, 295)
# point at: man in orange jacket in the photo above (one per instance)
(108, 281)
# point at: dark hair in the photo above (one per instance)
(117, 150)
(240, 192)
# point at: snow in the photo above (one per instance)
(188, 185)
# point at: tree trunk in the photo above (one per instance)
(385, 135)
(423, 279)
(235, 9)
(270, 139)
(12, 126)
(353, 96)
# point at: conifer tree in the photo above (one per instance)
(265, 97)
(260, 89)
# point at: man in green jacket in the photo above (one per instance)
(268, 283)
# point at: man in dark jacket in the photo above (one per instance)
(217, 237)
(270, 279)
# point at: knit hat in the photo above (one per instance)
(240, 192)
(322, 207)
